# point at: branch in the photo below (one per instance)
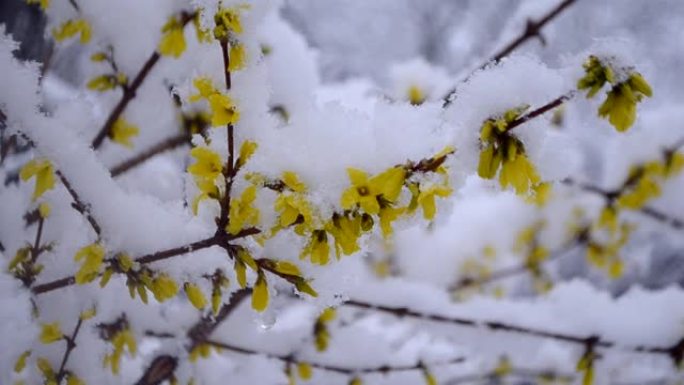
(154, 257)
(384, 369)
(229, 170)
(165, 145)
(162, 367)
(532, 29)
(675, 352)
(508, 272)
(541, 110)
(71, 345)
(610, 196)
(129, 91)
(79, 206)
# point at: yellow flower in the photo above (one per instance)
(121, 340)
(173, 40)
(620, 105)
(51, 333)
(223, 110)
(44, 173)
(242, 211)
(21, 361)
(292, 181)
(260, 293)
(426, 199)
(227, 21)
(346, 230)
(365, 191)
(415, 95)
(317, 248)
(247, 149)
(204, 87)
(238, 57)
(163, 287)
(646, 188)
(387, 216)
(195, 295)
(122, 132)
(355, 381)
(72, 379)
(207, 167)
(71, 28)
(293, 208)
(304, 370)
(92, 256)
(519, 173)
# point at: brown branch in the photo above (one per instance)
(215, 240)
(515, 372)
(512, 271)
(163, 146)
(162, 367)
(612, 195)
(532, 29)
(36, 249)
(71, 345)
(79, 206)
(129, 91)
(540, 111)
(675, 352)
(229, 170)
(289, 359)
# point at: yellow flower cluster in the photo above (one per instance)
(228, 22)
(502, 151)
(223, 108)
(102, 83)
(620, 104)
(205, 171)
(92, 257)
(122, 339)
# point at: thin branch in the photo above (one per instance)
(229, 170)
(287, 358)
(162, 367)
(129, 91)
(36, 249)
(532, 29)
(519, 269)
(163, 146)
(611, 195)
(675, 352)
(541, 110)
(79, 206)
(515, 372)
(71, 345)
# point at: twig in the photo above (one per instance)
(516, 270)
(78, 204)
(129, 91)
(540, 111)
(383, 369)
(532, 29)
(71, 345)
(154, 257)
(611, 195)
(162, 367)
(229, 169)
(675, 352)
(165, 145)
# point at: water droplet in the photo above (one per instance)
(267, 319)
